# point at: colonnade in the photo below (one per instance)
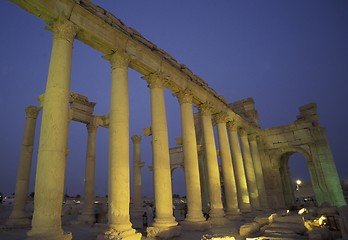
(240, 178)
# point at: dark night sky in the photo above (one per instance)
(284, 54)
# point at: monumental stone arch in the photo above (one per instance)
(253, 168)
(306, 137)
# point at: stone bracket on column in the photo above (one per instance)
(81, 109)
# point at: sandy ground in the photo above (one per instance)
(85, 232)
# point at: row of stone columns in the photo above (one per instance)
(50, 175)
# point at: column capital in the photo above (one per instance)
(206, 108)
(243, 132)
(184, 96)
(221, 117)
(64, 29)
(232, 125)
(32, 111)
(92, 127)
(155, 80)
(136, 138)
(252, 137)
(118, 59)
(147, 131)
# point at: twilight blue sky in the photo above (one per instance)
(284, 54)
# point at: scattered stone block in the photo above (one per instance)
(249, 228)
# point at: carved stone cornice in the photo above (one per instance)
(206, 109)
(184, 96)
(62, 28)
(221, 117)
(32, 111)
(232, 125)
(118, 59)
(136, 139)
(155, 80)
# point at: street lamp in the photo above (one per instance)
(298, 184)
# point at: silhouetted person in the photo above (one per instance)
(145, 220)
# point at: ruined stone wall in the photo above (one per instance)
(307, 138)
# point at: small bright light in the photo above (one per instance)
(322, 220)
(302, 211)
(298, 182)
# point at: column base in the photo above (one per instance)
(195, 226)
(118, 234)
(163, 232)
(217, 217)
(233, 214)
(245, 209)
(55, 235)
(18, 222)
(218, 221)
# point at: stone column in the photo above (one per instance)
(119, 225)
(137, 165)
(216, 212)
(227, 169)
(18, 215)
(258, 171)
(51, 163)
(249, 170)
(265, 164)
(88, 211)
(241, 182)
(194, 219)
(164, 223)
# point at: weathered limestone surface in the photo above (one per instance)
(137, 210)
(49, 186)
(227, 167)
(125, 47)
(194, 218)
(306, 137)
(119, 225)
(164, 223)
(18, 215)
(216, 209)
(88, 214)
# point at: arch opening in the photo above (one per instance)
(296, 180)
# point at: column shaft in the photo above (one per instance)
(18, 215)
(51, 162)
(227, 168)
(137, 186)
(160, 155)
(250, 172)
(241, 182)
(193, 189)
(88, 211)
(258, 172)
(216, 212)
(118, 175)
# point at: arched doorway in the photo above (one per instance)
(296, 179)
